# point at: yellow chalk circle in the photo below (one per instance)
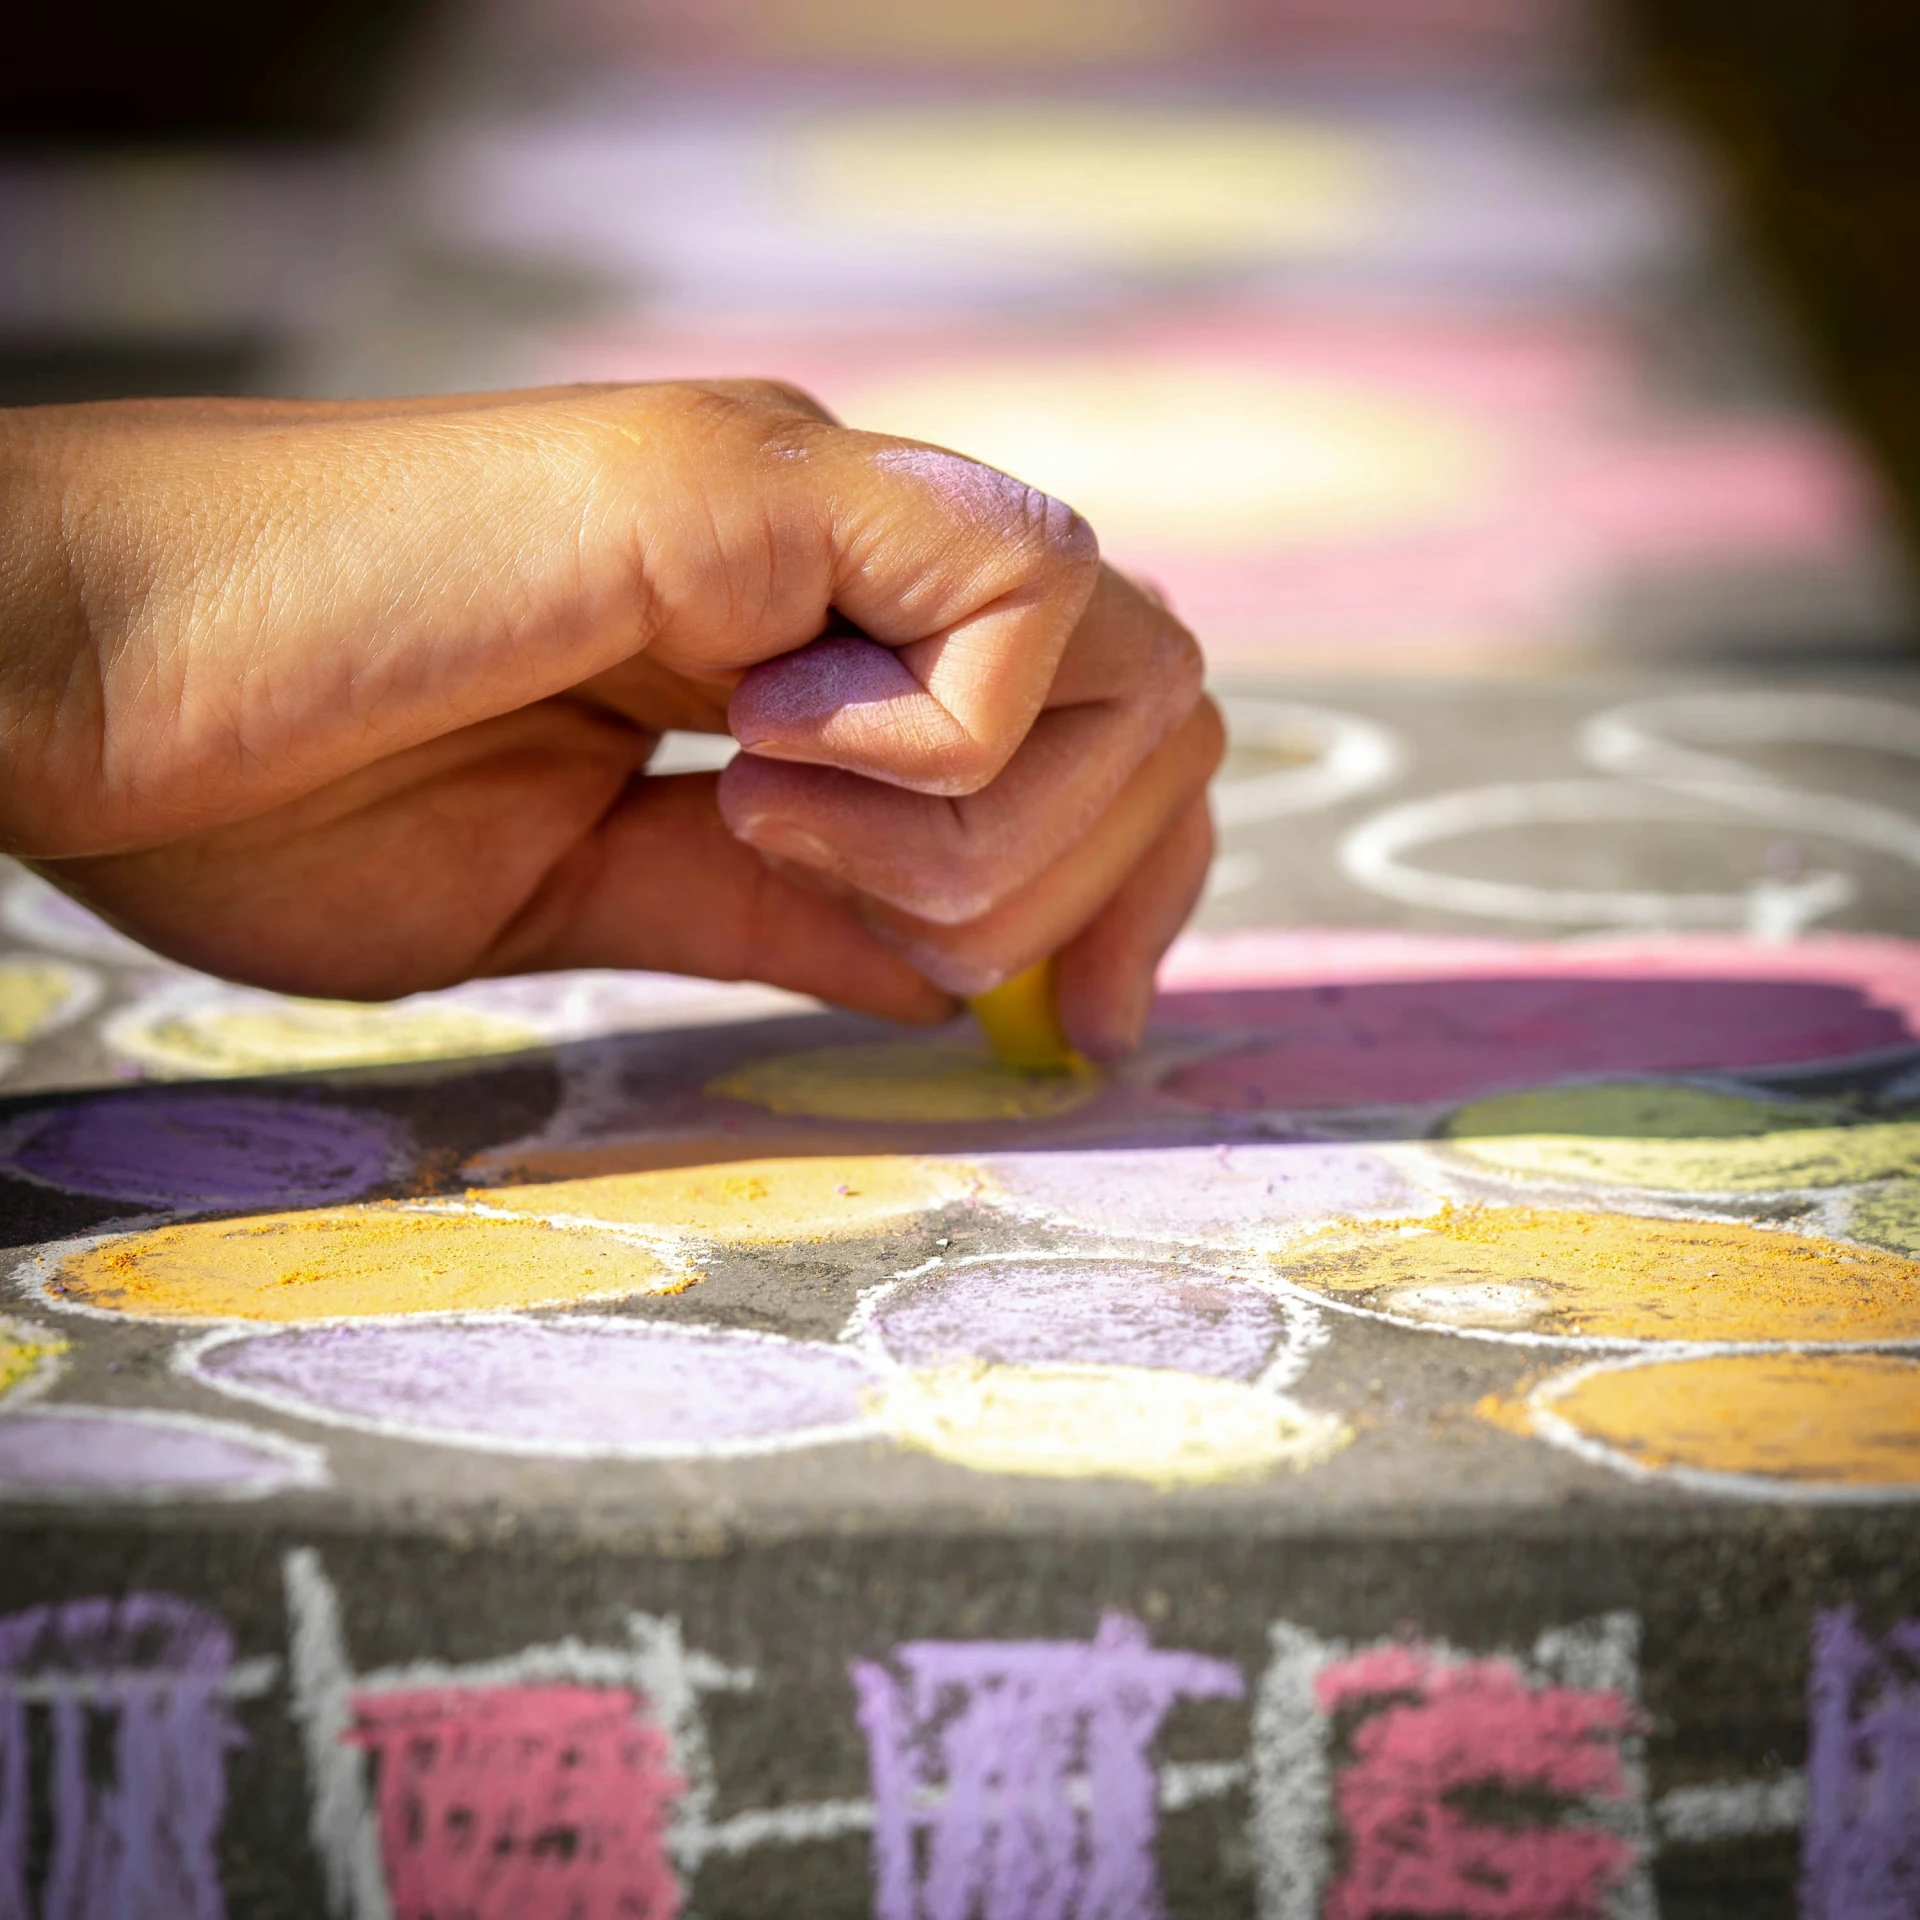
(1079, 1422)
(1163, 456)
(1888, 1216)
(1839, 1420)
(1682, 1139)
(752, 1202)
(355, 1261)
(266, 1036)
(38, 994)
(1140, 187)
(902, 1082)
(23, 1357)
(1610, 1276)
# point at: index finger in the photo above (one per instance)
(964, 585)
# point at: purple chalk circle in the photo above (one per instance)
(1037, 1312)
(1200, 1193)
(205, 1150)
(107, 1453)
(585, 1387)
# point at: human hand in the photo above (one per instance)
(357, 699)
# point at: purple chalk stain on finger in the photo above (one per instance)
(1083, 1312)
(1193, 1193)
(200, 1150)
(789, 698)
(971, 490)
(76, 1451)
(581, 1387)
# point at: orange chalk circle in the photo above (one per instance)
(905, 1083)
(1520, 1272)
(1773, 1422)
(354, 1262)
(750, 1202)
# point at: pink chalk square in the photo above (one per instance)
(1469, 1792)
(504, 1803)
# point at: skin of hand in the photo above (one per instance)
(357, 699)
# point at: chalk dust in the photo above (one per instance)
(1680, 1139)
(353, 1261)
(903, 1082)
(1616, 1277)
(1080, 1422)
(1849, 1419)
(753, 1202)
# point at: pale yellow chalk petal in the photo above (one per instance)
(1847, 1419)
(1888, 1216)
(1681, 1139)
(21, 1358)
(354, 1261)
(1143, 186)
(1078, 1422)
(310, 1036)
(752, 1201)
(902, 1082)
(1615, 1276)
(34, 995)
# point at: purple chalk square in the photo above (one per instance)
(1083, 1312)
(583, 1387)
(68, 1452)
(206, 1150)
(1200, 1193)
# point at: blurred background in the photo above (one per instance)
(1453, 336)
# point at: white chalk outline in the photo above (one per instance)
(1302, 1329)
(305, 1464)
(16, 1132)
(1291, 1771)
(1557, 1431)
(1408, 1159)
(1657, 780)
(1717, 1810)
(187, 1360)
(35, 1274)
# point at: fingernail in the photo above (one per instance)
(811, 879)
(781, 839)
(952, 973)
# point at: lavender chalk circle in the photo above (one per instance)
(200, 1150)
(95, 1453)
(1017, 1312)
(1200, 1193)
(582, 1388)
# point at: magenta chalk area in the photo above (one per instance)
(1098, 1313)
(580, 1387)
(1183, 1193)
(207, 1150)
(56, 1451)
(1383, 1042)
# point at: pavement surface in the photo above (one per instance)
(1435, 1435)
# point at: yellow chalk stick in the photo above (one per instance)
(1022, 1026)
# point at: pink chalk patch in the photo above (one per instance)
(500, 1803)
(1437, 1746)
(1349, 1019)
